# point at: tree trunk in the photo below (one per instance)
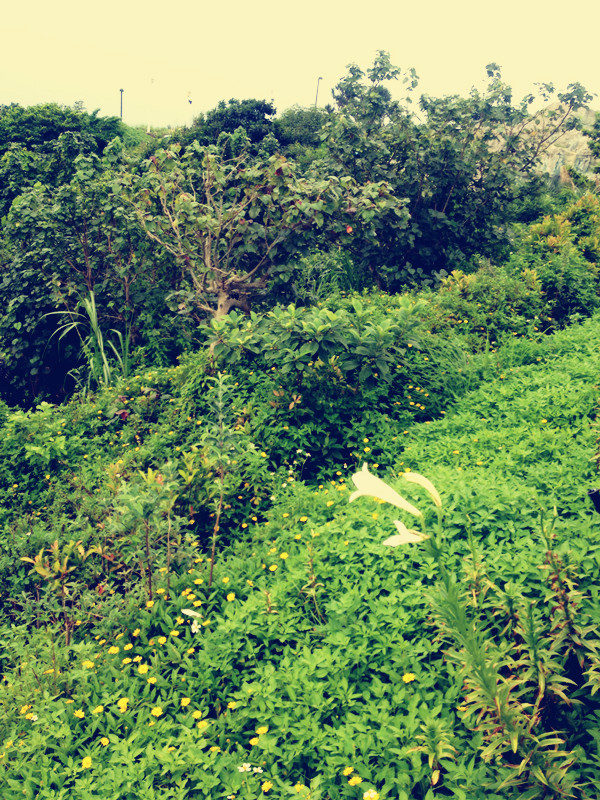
(225, 302)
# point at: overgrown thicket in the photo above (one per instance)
(220, 339)
(168, 234)
(138, 659)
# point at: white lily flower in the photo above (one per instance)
(370, 485)
(414, 477)
(404, 536)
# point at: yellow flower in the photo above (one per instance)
(348, 771)
(215, 749)
(232, 704)
(196, 714)
(267, 786)
(298, 787)
(122, 704)
(79, 714)
(303, 519)
(284, 556)
(149, 603)
(202, 724)
(185, 701)
(98, 710)
(87, 664)
(174, 633)
(408, 677)
(152, 680)
(161, 639)
(136, 632)
(231, 597)
(126, 661)
(355, 780)
(253, 741)
(113, 650)
(128, 646)
(262, 729)
(371, 794)
(273, 567)
(104, 741)
(24, 709)
(143, 668)
(225, 580)
(156, 711)
(86, 762)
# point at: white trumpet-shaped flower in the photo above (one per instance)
(404, 536)
(191, 613)
(370, 485)
(421, 480)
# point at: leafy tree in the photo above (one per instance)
(43, 124)
(41, 143)
(61, 244)
(458, 161)
(371, 102)
(594, 135)
(297, 125)
(299, 130)
(231, 222)
(254, 116)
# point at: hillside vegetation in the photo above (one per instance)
(309, 647)
(299, 454)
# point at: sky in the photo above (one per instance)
(176, 60)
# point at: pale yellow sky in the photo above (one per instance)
(162, 56)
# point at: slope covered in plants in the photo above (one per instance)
(309, 657)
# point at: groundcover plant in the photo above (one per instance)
(441, 646)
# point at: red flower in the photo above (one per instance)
(348, 228)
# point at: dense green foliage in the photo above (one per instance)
(40, 144)
(308, 655)
(221, 215)
(459, 162)
(254, 116)
(208, 342)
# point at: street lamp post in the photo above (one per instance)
(121, 90)
(317, 96)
